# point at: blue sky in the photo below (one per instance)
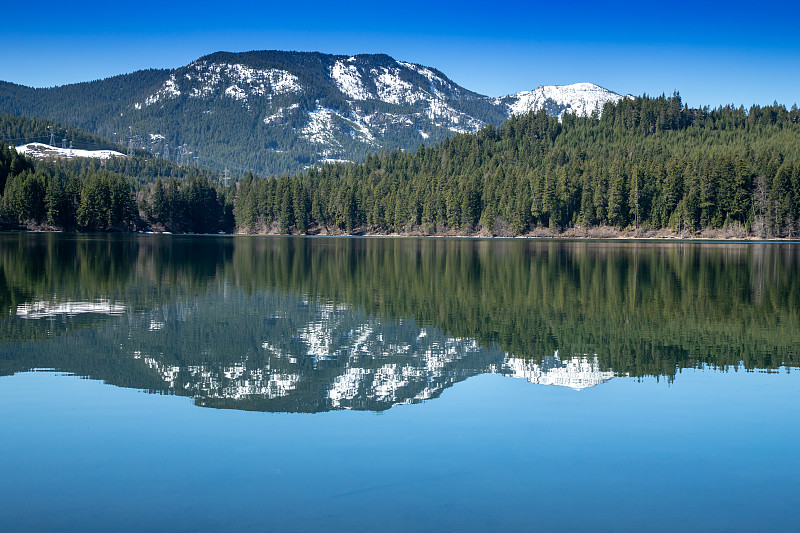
(713, 53)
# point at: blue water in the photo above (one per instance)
(302, 384)
(712, 451)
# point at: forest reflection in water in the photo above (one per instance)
(314, 324)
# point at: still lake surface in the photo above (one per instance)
(183, 383)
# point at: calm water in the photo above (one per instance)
(293, 384)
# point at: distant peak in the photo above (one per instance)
(581, 98)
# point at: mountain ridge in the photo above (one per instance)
(277, 112)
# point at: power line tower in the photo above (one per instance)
(227, 177)
(52, 136)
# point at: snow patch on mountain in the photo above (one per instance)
(280, 113)
(204, 80)
(443, 115)
(323, 123)
(255, 82)
(236, 93)
(45, 151)
(318, 130)
(334, 161)
(168, 90)
(436, 82)
(392, 89)
(361, 131)
(348, 80)
(380, 120)
(283, 82)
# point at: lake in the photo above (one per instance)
(184, 383)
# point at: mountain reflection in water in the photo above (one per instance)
(309, 325)
(53, 309)
(304, 357)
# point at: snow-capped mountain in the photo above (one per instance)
(274, 112)
(340, 106)
(581, 99)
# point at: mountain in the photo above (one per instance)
(279, 112)
(582, 99)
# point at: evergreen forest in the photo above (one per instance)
(645, 163)
(135, 192)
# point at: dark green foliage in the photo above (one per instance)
(647, 163)
(89, 195)
(82, 105)
(106, 203)
(102, 195)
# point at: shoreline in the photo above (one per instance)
(574, 233)
(541, 234)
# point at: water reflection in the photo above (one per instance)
(291, 324)
(576, 373)
(37, 310)
(320, 357)
(303, 357)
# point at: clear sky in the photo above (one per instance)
(712, 52)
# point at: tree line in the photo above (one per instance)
(91, 195)
(645, 163)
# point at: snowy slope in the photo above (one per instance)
(273, 111)
(412, 97)
(203, 79)
(42, 151)
(581, 99)
(335, 106)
